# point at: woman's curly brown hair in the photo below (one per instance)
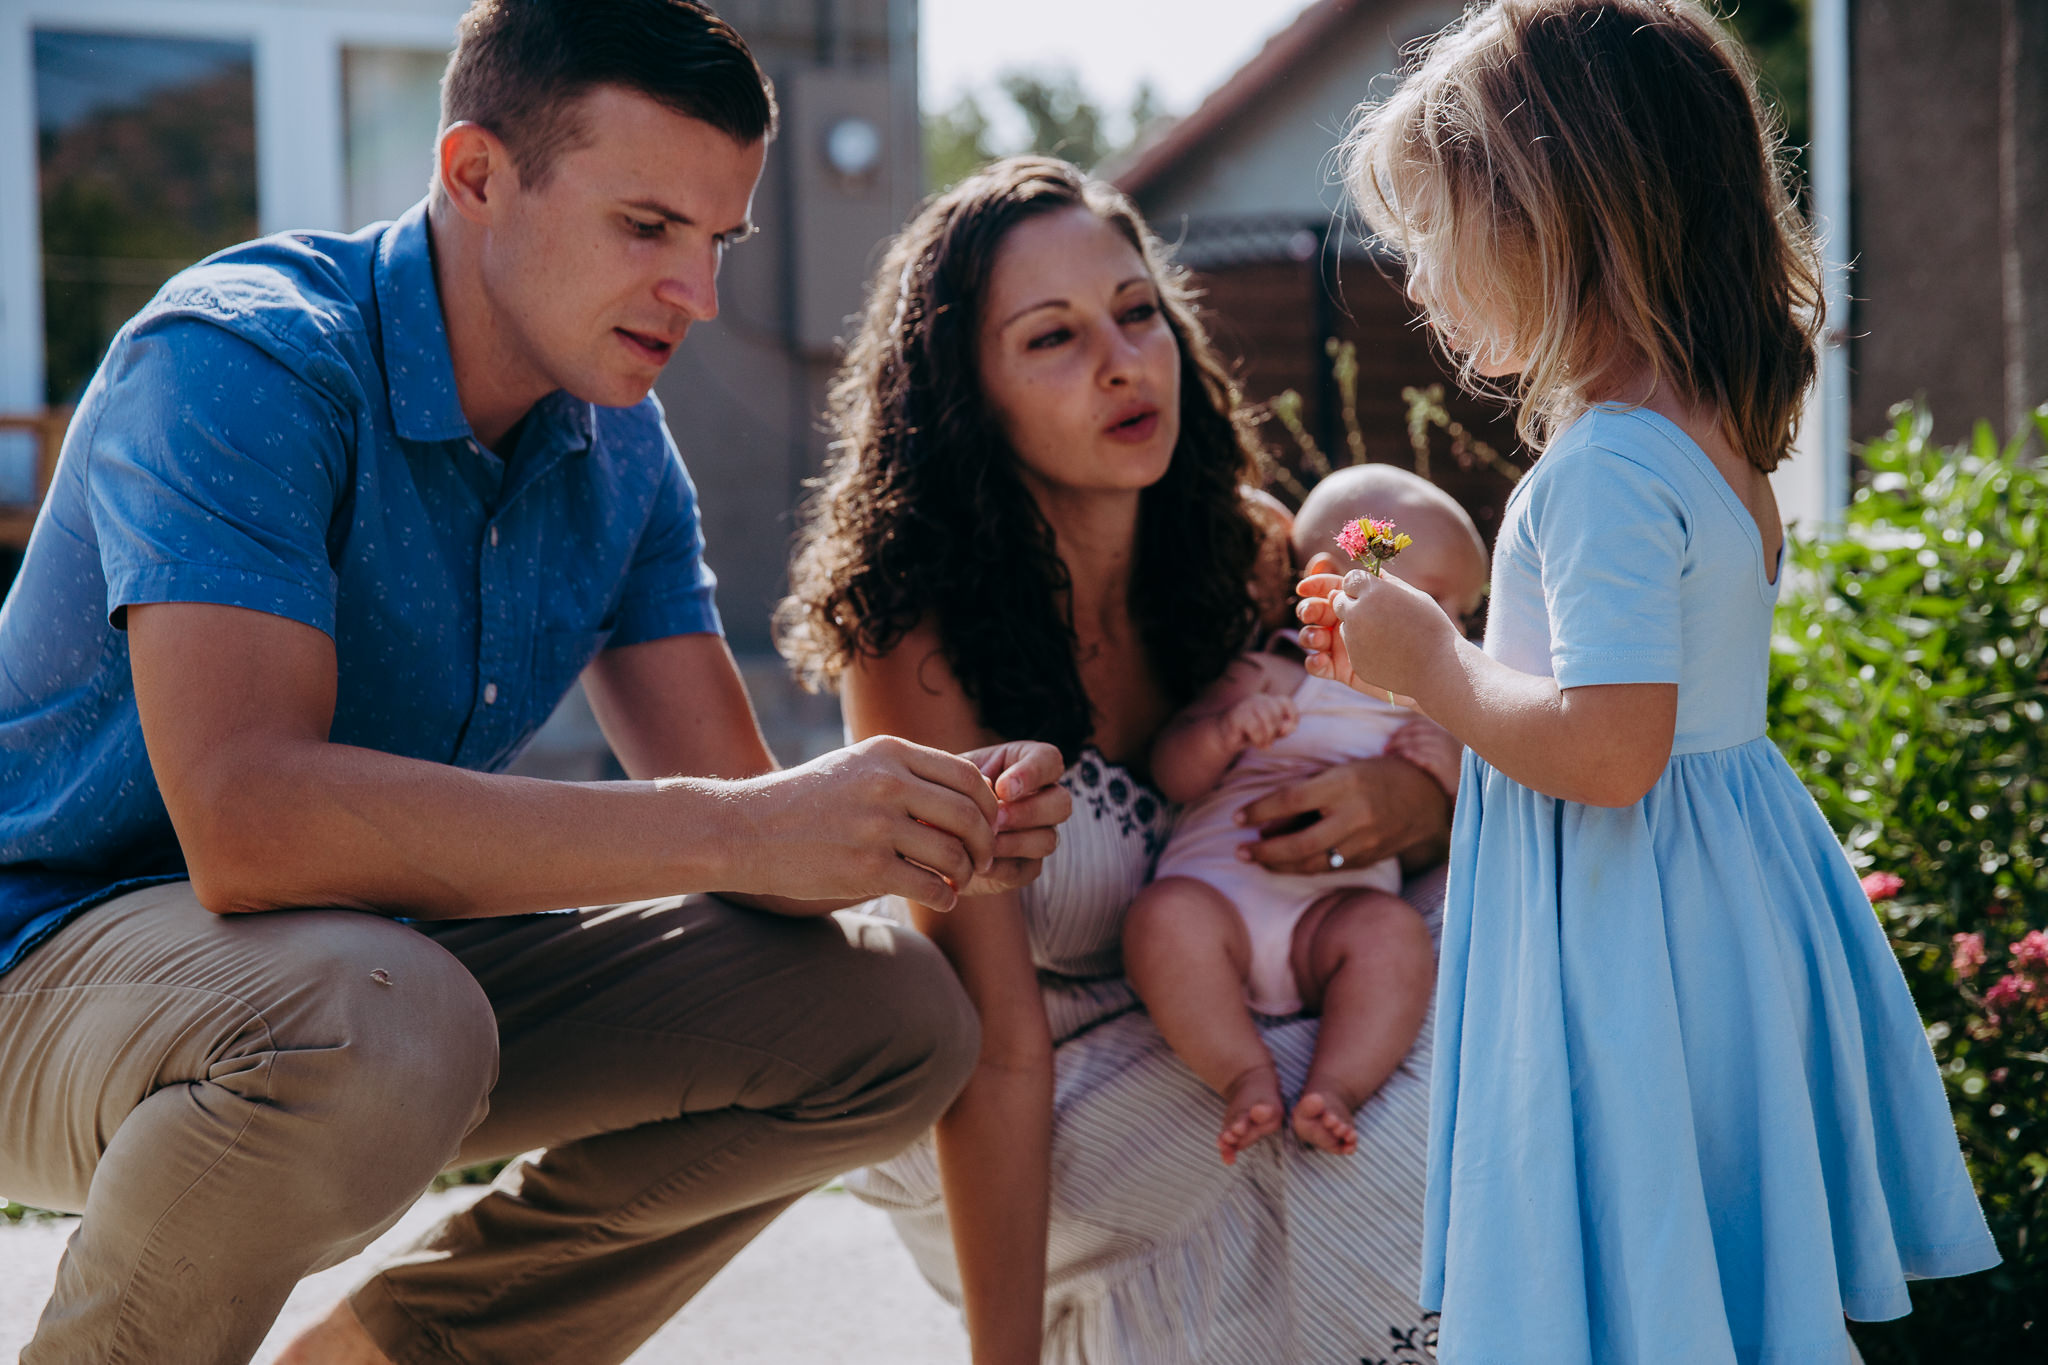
(921, 512)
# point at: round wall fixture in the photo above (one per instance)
(853, 148)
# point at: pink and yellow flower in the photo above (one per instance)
(2031, 951)
(1882, 886)
(1372, 542)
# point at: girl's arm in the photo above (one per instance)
(1601, 746)
(995, 1143)
(1242, 709)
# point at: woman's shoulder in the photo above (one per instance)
(910, 690)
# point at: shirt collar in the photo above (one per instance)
(418, 373)
(566, 421)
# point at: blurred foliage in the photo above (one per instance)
(11, 1212)
(481, 1174)
(1426, 416)
(1057, 115)
(1909, 684)
(1775, 32)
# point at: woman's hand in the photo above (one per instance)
(1373, 633)
(1365, 810)
(1026, 777)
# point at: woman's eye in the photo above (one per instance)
(1049, 340)
(640, 229)
(1144, 312)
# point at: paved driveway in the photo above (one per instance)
(828, 1281)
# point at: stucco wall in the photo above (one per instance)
(743, 394)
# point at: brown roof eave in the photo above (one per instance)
(1153, 160)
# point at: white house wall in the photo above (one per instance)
(1277, 158)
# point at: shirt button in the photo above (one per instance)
(494, 537)
(490, 694)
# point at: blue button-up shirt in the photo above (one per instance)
(279, 430)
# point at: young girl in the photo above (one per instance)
(1215, 931)
(1683, 1110)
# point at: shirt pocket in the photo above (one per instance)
(558, 657)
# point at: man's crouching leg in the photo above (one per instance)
(690, 1069)
(232, 1103)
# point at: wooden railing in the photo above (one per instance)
(18, 519)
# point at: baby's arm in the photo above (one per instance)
(1245, 708)
(1431, 748)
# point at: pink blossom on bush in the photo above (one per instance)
(2010, 994)
(1882, 886)
(1969, 954)
(2031, 951)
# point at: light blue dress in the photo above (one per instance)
(1683, 1110)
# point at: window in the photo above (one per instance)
(391, 101)
(146, 162)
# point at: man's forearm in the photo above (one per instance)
(332, 825)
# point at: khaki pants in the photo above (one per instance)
(235, 1102)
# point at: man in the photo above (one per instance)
(338, 522)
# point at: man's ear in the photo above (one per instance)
(474, 170)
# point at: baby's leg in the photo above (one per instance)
(1364, 962)
(1186, 952)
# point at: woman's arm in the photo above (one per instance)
(995, 1143)
(1600, 746)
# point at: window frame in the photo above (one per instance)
(301, 163)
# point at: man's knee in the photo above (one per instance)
(902, 1023)
(382, 1071)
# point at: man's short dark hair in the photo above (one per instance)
(520, 66)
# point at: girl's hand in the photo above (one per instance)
(1374, 634)
(1258, 720)
(1025, 775)
(1431, 748)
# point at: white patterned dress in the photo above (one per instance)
(1158, 1253)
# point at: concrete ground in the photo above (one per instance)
(827, 1281)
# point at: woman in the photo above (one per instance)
(1034, 527)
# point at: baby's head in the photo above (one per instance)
(1447, 560)
(1587, 193)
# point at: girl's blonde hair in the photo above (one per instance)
(1590, 184)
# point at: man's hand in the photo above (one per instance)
(879, 818)
(1025, 775)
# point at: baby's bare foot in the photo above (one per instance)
(1322, 1119)
(1251, 1110)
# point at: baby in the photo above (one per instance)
(1215, 930)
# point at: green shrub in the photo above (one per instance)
(1909, 685)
